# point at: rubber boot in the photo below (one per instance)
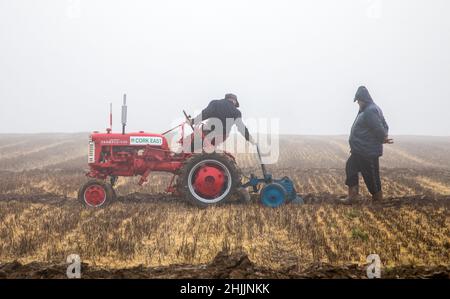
(353, 195)
(377, 197)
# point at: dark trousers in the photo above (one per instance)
(369, 168)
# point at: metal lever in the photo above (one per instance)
(263, 167)
(188, 117)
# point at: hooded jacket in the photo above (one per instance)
(369, 129)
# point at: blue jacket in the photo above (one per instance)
(368, 132)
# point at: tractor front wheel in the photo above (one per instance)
(96, 194)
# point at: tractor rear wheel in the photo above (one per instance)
(96, 194)
(208, 179)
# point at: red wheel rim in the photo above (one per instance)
(209, 181)
(95, 195)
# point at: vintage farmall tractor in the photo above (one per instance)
(202, 178)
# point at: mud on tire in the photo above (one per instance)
(221, 160)
(96, 194)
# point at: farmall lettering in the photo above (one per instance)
(114, 142)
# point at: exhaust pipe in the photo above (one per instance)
(109, 129)
(124, 114)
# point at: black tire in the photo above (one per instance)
(224, 161)
(109, 194)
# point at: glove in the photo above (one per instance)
(388, 140)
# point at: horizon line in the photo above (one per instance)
(281, 134)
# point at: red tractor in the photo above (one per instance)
(204, 179)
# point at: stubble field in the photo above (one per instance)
(147, 233)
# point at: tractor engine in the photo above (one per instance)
(115, 154)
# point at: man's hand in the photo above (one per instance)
(388, 140)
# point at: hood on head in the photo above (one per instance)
(362, 94)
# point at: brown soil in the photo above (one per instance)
(322, 198)
(224, 266)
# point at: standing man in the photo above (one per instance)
(369, 133)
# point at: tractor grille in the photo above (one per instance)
(91, 151)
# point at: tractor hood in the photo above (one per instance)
(129, 139)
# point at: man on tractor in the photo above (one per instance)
(368, 134)
(221, 115)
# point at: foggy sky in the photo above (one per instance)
(62, 62)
